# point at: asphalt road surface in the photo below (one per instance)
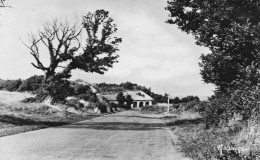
(122, 136)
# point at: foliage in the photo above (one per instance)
(120, 98)
(129, 100)
(67, 52)
(104, 87)
(158, 98)
(32, 84)
(10, 85)
(80, 89)
(190, 99)
(229, 28)
(114, 105)
(243, 101)
(124, 101)
(215, 110)
(97, 54)
(22, 117)
(215, 143)
(128, 85)
(102, 107)
(57, 90)
(88, 96)
(175, 100)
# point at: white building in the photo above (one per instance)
(140, 98)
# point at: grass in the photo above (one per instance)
(200, 144)
(237, 140)
(156, 109)
(17, 117)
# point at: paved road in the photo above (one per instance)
(125, 135)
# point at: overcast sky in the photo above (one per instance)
(153, 53)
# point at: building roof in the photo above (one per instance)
(136, 95)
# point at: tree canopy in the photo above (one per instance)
(229, 28)
(89, 45)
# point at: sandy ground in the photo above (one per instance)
(12, 97)
(122, 136)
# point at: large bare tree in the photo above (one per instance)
(88, 45)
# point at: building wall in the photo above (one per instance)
(136, 104)
(139, 104)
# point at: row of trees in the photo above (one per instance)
(177, 100)
(231, 31)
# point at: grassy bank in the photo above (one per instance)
(237, 140)
(17, 117)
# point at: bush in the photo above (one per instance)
(84, 92)
(201, 107)
(223, 107)
(32, 84)
(102, 107)
(217, 144)
(190, 105)
(80, 88)
(11, 85)
(240, 100)
(114, 105)
(31, 100)
(125, 106)
(58, 90)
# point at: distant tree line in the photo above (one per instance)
(177, 100)
(34, 84)
(158, 98)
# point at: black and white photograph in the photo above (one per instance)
(129, 80)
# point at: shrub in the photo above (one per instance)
(12, 85)
(102, 107)
(32, 84)
(125, 106)
(201, 107)
(87, 96)
(190, 105)
(215, 110)
(114, 105)
(31, 100)
(223, 107)
(80, 89)
(239, 100)
(120, 98)
(58, 90)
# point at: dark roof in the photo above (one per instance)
(136, 95)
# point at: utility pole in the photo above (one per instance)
(168, 110)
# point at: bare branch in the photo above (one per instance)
(64, 43)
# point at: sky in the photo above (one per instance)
(153, 53)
